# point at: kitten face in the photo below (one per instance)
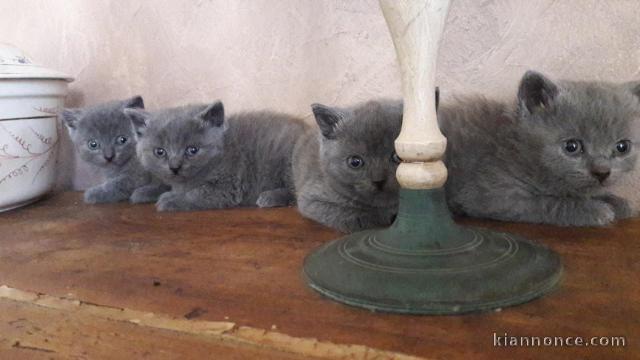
(177, 145)
(357, 149)
(103, 134)
(584, 131)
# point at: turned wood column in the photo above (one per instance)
(416, 28)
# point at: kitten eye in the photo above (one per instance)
(191, 150)
(573, 146)
(92, 144)
(395, 158)
(159, 152)
(623, 146)
(121, 140)
(355, 162)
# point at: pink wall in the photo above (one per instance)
(285, 54)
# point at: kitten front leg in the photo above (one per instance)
(275, 198)
(343, 218)
(173, 201)
(200, 198)
(542, 210)
(113, 190)
(386, 216)
(621, 207)
(576, 212)
(148, 193)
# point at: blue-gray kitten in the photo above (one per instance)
(216, 162)
(551, 157)
(104, 137)
(344, 173)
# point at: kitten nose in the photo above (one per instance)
(175, 170)
(601, 175)
(379, 184)
(108, 154)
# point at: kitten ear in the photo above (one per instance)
(71, 117)
(327, 118)
(138, 119)
(134, 102)
(213, 115)
(536, 92)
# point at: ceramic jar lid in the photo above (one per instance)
(14, 64)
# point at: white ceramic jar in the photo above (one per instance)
(31, 97)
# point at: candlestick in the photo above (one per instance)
(425, 263)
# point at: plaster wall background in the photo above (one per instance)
(286, 54)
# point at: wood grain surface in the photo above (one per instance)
(244, 266)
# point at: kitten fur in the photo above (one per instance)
(629, 189)
(242, 160)
(109, 132)
(512, 161)
(328, 189)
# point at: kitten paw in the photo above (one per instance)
(97, 195)
(387, 217)
(600, 214)
(274, 198)
(170, 201)
(145, 194)
(140, 197)
(357, 223)
(621, 207)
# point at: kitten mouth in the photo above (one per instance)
(108, 164)
(604, 183)
(593, 186)
(176, 177)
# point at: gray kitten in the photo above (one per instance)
(104, 137)
(344, 174)
(549, 158)
(214, 162)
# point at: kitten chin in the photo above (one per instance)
(553, 156)
(371, 195)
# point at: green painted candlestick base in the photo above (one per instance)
(426, 264)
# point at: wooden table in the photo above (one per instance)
(123, 281)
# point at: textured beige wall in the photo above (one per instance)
(285, 54)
